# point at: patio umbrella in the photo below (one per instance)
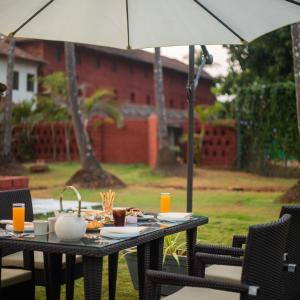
(144, 23)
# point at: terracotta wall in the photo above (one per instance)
(132, 80)
(136, 142)
(219, 146)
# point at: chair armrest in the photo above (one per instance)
(239, 240)
(220, 250)
(159, 277)
(213, 259)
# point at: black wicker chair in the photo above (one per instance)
(262, 275)
(291, 257)
(71, 267)
(16, 282)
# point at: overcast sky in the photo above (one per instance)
(219, 53)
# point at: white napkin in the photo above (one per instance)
(27, 227)
(4, 222)
(174, 216)
(121, 232)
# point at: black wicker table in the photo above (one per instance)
(149, 246)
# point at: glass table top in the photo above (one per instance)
(94, 239)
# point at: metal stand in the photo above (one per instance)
(191, 89)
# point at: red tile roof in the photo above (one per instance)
(21, 54)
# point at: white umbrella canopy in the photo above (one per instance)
(150, 23)
(146, 23)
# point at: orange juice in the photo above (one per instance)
(165, 199)
(18, 217)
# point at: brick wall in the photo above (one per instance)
(136, 142)
(131, 80)
(219, 146)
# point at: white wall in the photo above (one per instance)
(23, 67)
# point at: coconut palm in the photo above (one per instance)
(91, 174)
(6, 155)
(295, 29)
(160, 100)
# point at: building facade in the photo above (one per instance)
(25, 73)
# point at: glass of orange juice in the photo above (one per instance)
(18, 217)
(165, 199)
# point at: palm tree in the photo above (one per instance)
(91, 173)
(160, 100)
(295, 29)
(167, 162)
(6, 155)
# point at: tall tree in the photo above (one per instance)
(167, 161)
(6, 154)
(160, 100)
(91, 173)
(295, 30)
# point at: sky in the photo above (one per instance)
(219, 53)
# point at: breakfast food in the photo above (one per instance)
(94, 225)
(107, 201)
(133, 211)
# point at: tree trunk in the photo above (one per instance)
(292, 195)
(7, 118)
(67, 140)
(160, 100)
(296, 53)
(87, 157)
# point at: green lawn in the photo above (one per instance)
(229, 211)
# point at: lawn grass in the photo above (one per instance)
(229, 211)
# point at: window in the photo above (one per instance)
(97, 63)
(114, 66)
(78, 58)
(30, 82)
(58, 54)
(148, 100)
(171, 103)
(132, 97)
(145, 73)
(16, 80)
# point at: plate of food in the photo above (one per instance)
(94, 225)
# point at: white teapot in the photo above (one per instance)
(70, 226)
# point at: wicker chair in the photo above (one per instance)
(291, 257)
(262, 275)
(16, 282)
(70, 270)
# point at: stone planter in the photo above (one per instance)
(170, 265)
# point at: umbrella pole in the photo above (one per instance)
(190, 150)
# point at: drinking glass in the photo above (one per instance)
(165, 199)
(18, 217)
(119, 214)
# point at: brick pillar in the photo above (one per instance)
(152, 141)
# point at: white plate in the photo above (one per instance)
(174, 217)
(27, 228)
(121, 232)
(146, 217)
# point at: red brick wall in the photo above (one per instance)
(219, 146)
(136, 142)
(132, 79)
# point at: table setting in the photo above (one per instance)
(94, 234)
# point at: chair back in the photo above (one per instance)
(263, 260)
(7, 198)
(292, 280)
